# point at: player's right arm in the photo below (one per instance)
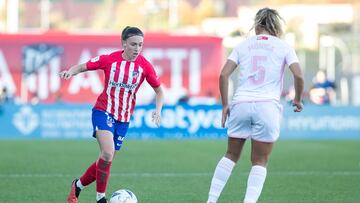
(298, 85)
(228, 68)
(98, 62)
(73, 70)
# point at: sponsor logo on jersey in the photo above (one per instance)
(122, 85)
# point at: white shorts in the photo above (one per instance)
(256, 120)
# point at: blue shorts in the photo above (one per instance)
(102, 120)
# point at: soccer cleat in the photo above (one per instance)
(74, 192)
(102, 200)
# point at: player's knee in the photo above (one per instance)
(234, 156)
(259, 160)
(107, 155)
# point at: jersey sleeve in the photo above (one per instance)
(98, 62)
(234, 56)
(291, 57)
(151, 76)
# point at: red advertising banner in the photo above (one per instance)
(30, 63)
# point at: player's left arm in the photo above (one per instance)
(156, 115)
(298, 85)
(155, 83)
(73, 70)
(294, 66)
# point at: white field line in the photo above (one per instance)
(275, 173)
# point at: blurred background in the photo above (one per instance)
(45, 122)
(188, 42)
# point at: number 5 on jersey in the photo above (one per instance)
(257, 70)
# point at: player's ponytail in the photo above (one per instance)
(270, 20)
(131, 31)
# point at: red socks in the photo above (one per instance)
(102, 175)
(98, 171)
(89, 176)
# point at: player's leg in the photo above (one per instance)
(103, 165)
(235, 146)
(78, 184)
(100, 121)
(265, 131)
(238, 131)
(88, 177)
(103, 127)
(260, 153)
(109, 143)
(224, 168)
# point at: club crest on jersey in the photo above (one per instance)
(135, 74)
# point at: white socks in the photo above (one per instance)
(79, 184)
(99, 196)
(221, 175)
(255, 184)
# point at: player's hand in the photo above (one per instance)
(65, 74)
(155, 117)
(225, 114)
(298, 106)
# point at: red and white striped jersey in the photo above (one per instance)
(122, 81)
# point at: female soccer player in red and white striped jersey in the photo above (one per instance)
(125, 71)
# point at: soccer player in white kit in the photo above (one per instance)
(255, 110)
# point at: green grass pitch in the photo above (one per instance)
(180, 171)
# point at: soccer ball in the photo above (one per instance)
(123, 196)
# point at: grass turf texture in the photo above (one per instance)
(174, 171)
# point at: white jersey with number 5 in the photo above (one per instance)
(261, 59)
